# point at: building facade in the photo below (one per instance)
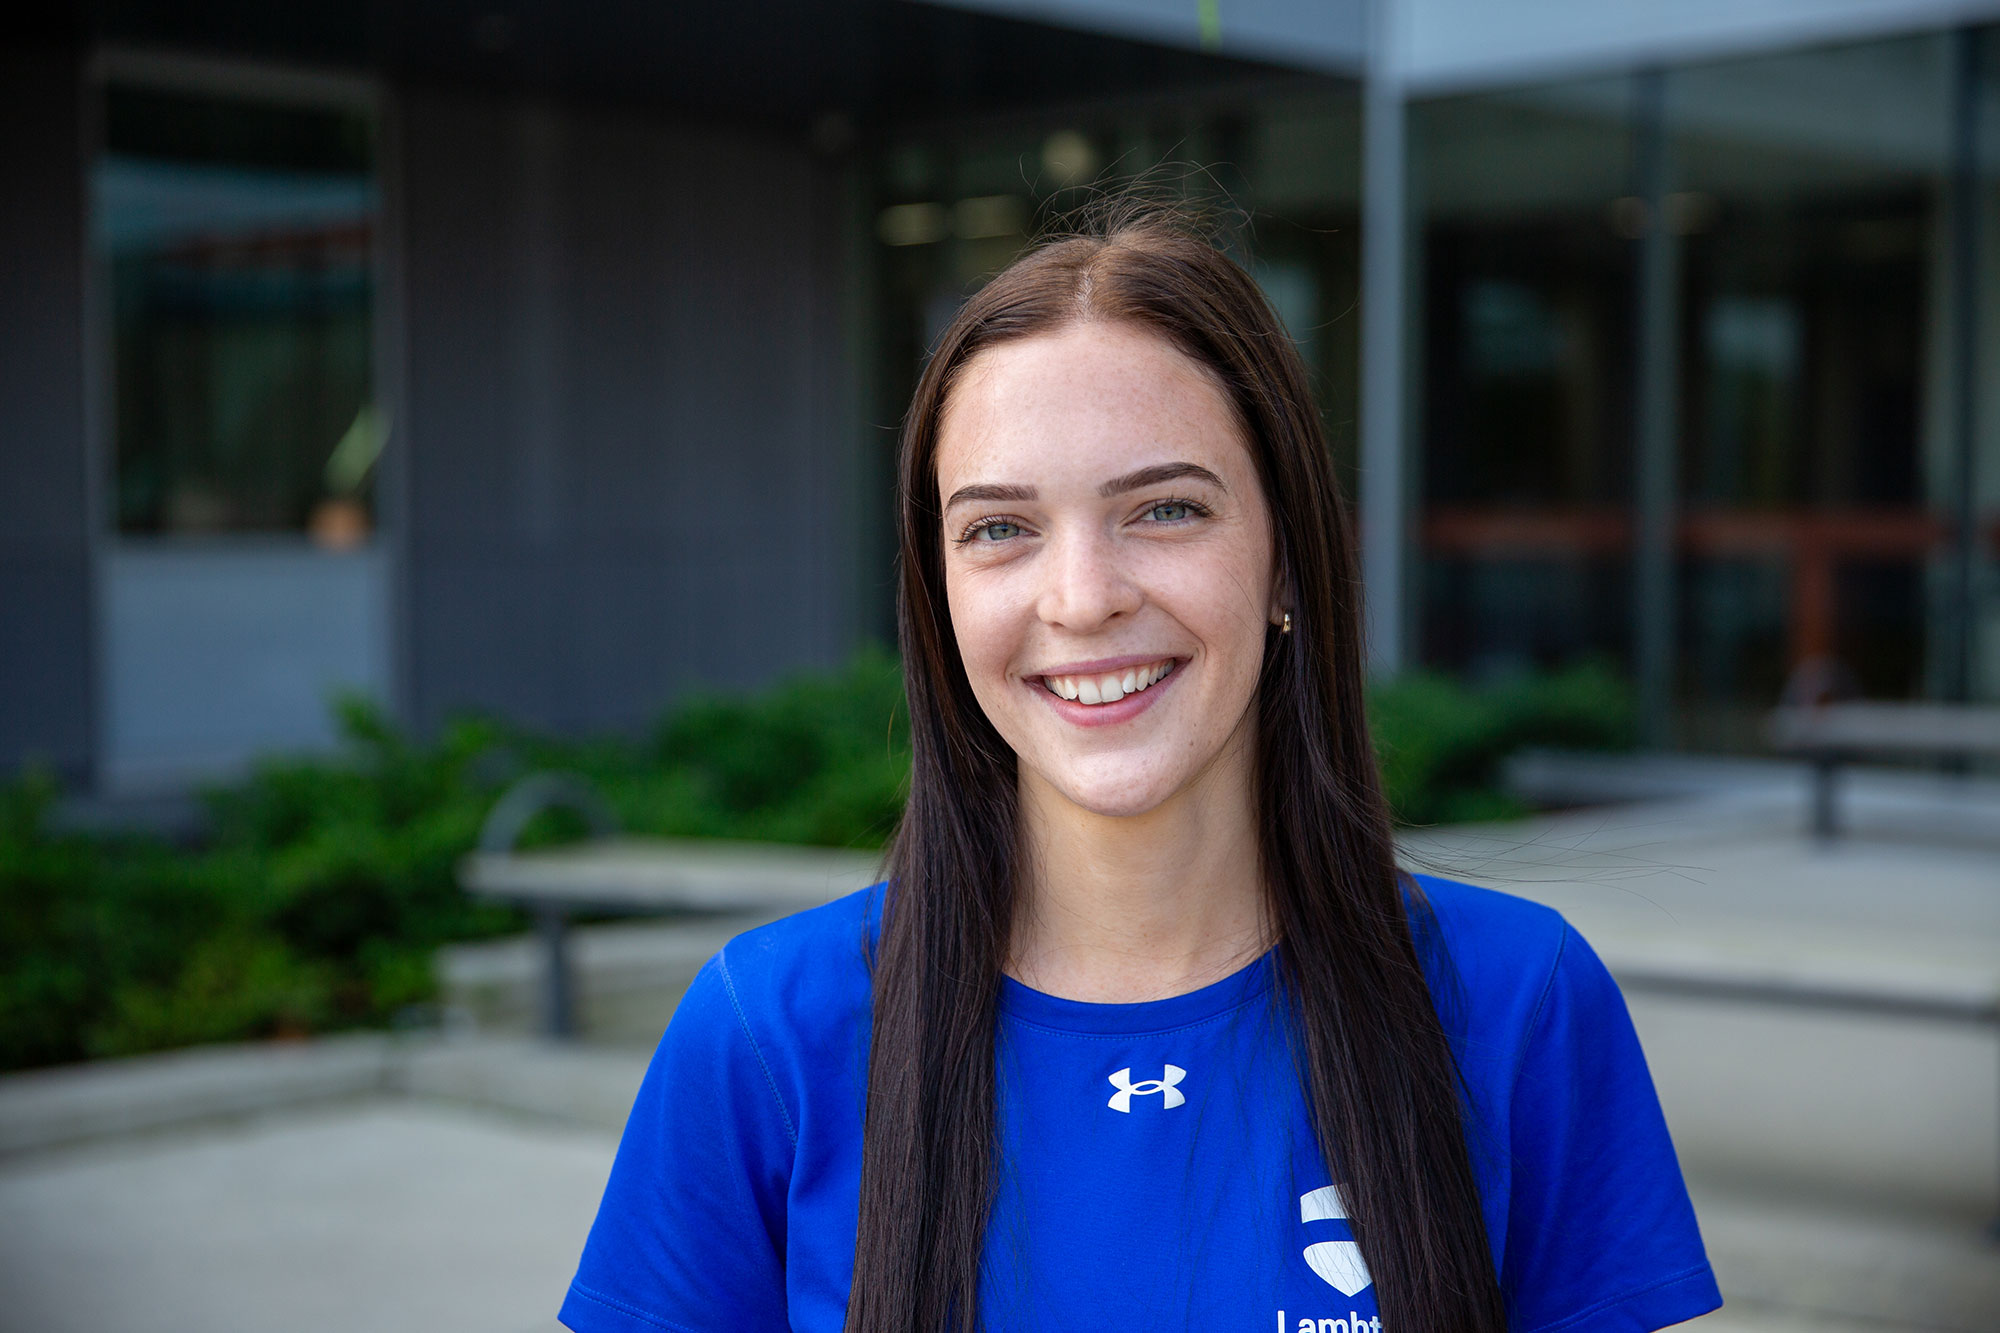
(546, 363)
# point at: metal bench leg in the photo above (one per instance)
(558, 995)
(1825, 798)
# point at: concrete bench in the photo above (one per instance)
(623, 875)
(634, 876)
(1833, 734)
(612, 874)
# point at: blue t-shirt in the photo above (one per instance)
(1157, 1168)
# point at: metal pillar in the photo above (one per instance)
(1961, 603)
(510, 815)
(1655, 476)
(1384, 466)
(558, 1009)
(1826, 797)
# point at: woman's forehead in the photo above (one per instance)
(1089, 400)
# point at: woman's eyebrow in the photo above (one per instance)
(1008, 492)
(1159, 472)
(991, 491)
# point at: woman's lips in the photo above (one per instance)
(1129, 703)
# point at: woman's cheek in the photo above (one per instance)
(981, 641)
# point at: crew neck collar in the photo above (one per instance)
(1029, 1005)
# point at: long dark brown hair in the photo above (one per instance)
(1378, 1071)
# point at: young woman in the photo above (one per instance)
(1145, 1030)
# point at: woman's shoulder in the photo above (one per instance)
(1496, 954)
(775, 1021)
(804, 962)
(1517, 927)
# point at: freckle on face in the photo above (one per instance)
(1084, 577)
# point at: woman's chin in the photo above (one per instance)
(1112, 796)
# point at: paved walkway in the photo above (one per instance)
(391, 1216)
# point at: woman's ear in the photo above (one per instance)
(1282, 600)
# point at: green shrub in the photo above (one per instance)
(90, 928)
(1441, 743)
(818, 759)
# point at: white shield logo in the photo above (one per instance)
(1338, 1262)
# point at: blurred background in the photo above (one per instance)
(401, 401)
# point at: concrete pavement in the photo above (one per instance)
(388, 1215)
(1830, 1261)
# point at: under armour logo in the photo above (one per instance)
(1338, 1262)
(1171, 1096)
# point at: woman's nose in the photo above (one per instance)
(1086, 584)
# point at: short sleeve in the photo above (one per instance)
(690, 1236)
(1601, 1237)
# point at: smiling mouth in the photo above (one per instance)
(1110, 686)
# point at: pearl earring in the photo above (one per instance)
(1286, 628)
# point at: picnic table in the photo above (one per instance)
(1834, 734)
(1820, 718)
(614, 873)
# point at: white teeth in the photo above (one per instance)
(1109, 688)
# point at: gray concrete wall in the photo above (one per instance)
(625, 451)
(45, 634)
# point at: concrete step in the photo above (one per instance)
(1903, 1112)
(109, 1098)
(1833, 1261)
(586, 1086)
(581, 1085)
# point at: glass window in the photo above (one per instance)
(1808, 207)
(1524, 409)
(1812, 223)
(237, 238)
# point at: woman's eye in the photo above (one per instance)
(996, 531)
(1171, 511)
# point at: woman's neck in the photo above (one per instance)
(1118, 909)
